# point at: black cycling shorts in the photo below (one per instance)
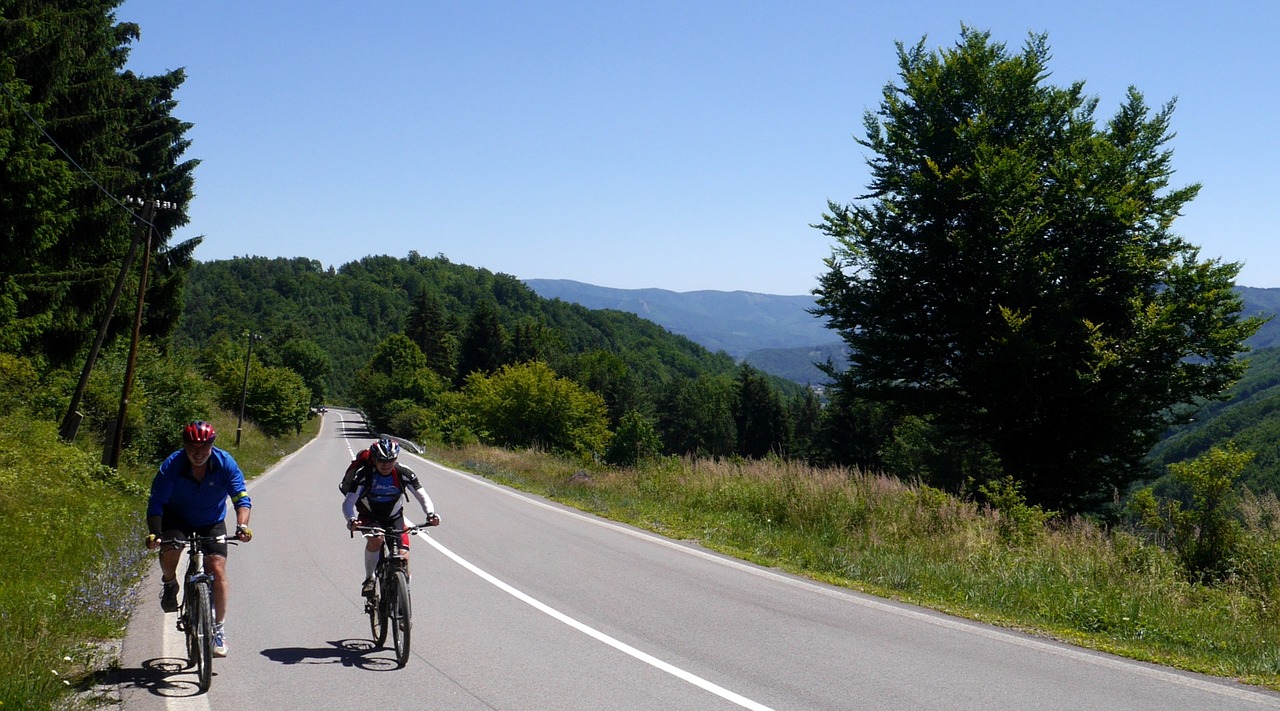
(174, 526)
(388, 523)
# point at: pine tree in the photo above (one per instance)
(483, 348)
(77, 135)
(429, 327)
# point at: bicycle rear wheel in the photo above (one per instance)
(401, 618)
(200, 635)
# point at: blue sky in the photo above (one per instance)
(682, 145)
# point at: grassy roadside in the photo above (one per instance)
(1070, 581)
(73, 554)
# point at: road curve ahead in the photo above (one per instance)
(524, 604)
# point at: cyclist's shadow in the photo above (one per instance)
(347, 652)
(162, 676)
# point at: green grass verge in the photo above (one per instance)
(73, 555)
(1070, 581)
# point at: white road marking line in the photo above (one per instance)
(598, 635)
(175, 647)
(1222, 688)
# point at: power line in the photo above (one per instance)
(35, 122)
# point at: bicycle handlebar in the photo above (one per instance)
(193, 539)
(371, 531)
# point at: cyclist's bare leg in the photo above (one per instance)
(216, 566)
(169, 558)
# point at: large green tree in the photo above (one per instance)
(761, 418)
(77, 135)
(1013, 276)
(696, 417)
(528, 405)
(309, 361)
(398, 377)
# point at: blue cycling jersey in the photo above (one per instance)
(200, 503)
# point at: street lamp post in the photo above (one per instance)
(245, 389)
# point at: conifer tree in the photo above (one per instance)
(77, 135)
(483, 348)
(429, 327)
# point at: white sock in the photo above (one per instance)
(370, 562)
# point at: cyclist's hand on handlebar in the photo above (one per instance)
(352, 524)
(153, 541)
(432, 520)
(244, 533)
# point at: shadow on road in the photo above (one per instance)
(347, 652)
(356, 430)
(169, 677)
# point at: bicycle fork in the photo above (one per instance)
(193, 582)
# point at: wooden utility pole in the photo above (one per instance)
(71, 422)
(113, 458)
(245, 390)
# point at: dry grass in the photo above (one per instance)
(1069, 579)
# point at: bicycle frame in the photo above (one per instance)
(390, 606)
(196, 615)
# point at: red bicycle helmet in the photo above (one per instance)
(199, 432)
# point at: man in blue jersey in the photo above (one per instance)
(189, 494)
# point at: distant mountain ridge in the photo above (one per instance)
(736, 322)
(778, 334)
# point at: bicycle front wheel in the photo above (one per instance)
(187, 623)
(401, 617)
(378, 614)
(200, 635)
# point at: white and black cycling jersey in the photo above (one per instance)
(383, 495)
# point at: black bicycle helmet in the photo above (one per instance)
(385, 449)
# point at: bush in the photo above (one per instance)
(170, 394)
(1208, 537)
(17, 381)
(1017, 522)
(527, 405)
(278, 401)
(1205, 530)
(636, 440)
(410, 420)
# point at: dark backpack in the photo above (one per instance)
(349, 478)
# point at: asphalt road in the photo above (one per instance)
(524, 604)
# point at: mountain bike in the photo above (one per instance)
(195, 616)
(389, 608)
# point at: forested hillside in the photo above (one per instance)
(434, 350)
(1249, 417)
(1264, 303)
(348, 311)
(800, 365)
